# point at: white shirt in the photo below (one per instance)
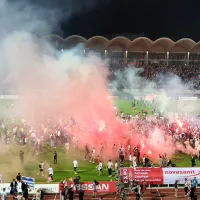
(187, 184)
(42, 165)
(110, 164)
(100, 166)
(3, 195)
(134, 164)
(134, 158)
(75, 162)
(116, 165)
(50, 170)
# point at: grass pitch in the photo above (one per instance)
(10, 162)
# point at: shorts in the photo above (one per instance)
(95, 190)
(75, 168)
(41, 170)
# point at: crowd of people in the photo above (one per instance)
(157, 72)
(19, 190)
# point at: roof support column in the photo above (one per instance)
(126, 57)
(147, 58)
(105, 54)
(167, 58)
(188, 58)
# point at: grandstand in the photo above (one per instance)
(162, 51)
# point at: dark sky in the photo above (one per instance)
(155, 18)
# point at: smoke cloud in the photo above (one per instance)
(67, 86)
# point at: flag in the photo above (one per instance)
(29, 181)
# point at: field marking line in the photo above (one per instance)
(69, 170)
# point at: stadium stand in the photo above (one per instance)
(162, 56)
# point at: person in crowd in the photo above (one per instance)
(116, 165)
(193, 162)
(19, 177)
(123, 195)
(81, 194)
(87, 151)
(77, 183)
(41, 168)
(21, 156)
(160, 161)
(13, 186)
(64, 193)
(187, 186)
(100, 168)
(94, 186)
(176, 188)
(4, 194)
(137, 192)
(195, 183)
(71, 194)
(55, 157)
(130, 159)
(23, 187)
(117, 187)
(192, 193)
(25, 194)
(93, 155)
(50, 171)
(75, 163)
(146, 161)
(109, 166)
(42, 194)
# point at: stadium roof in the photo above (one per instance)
(140, 44)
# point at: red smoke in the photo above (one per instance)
(71, 86)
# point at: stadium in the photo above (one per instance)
(141, 161)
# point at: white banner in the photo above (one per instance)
(49, 188)
(170, 175)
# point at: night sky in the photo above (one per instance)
(155, 18)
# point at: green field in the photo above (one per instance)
(10, 162)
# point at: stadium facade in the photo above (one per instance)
(120, 49)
